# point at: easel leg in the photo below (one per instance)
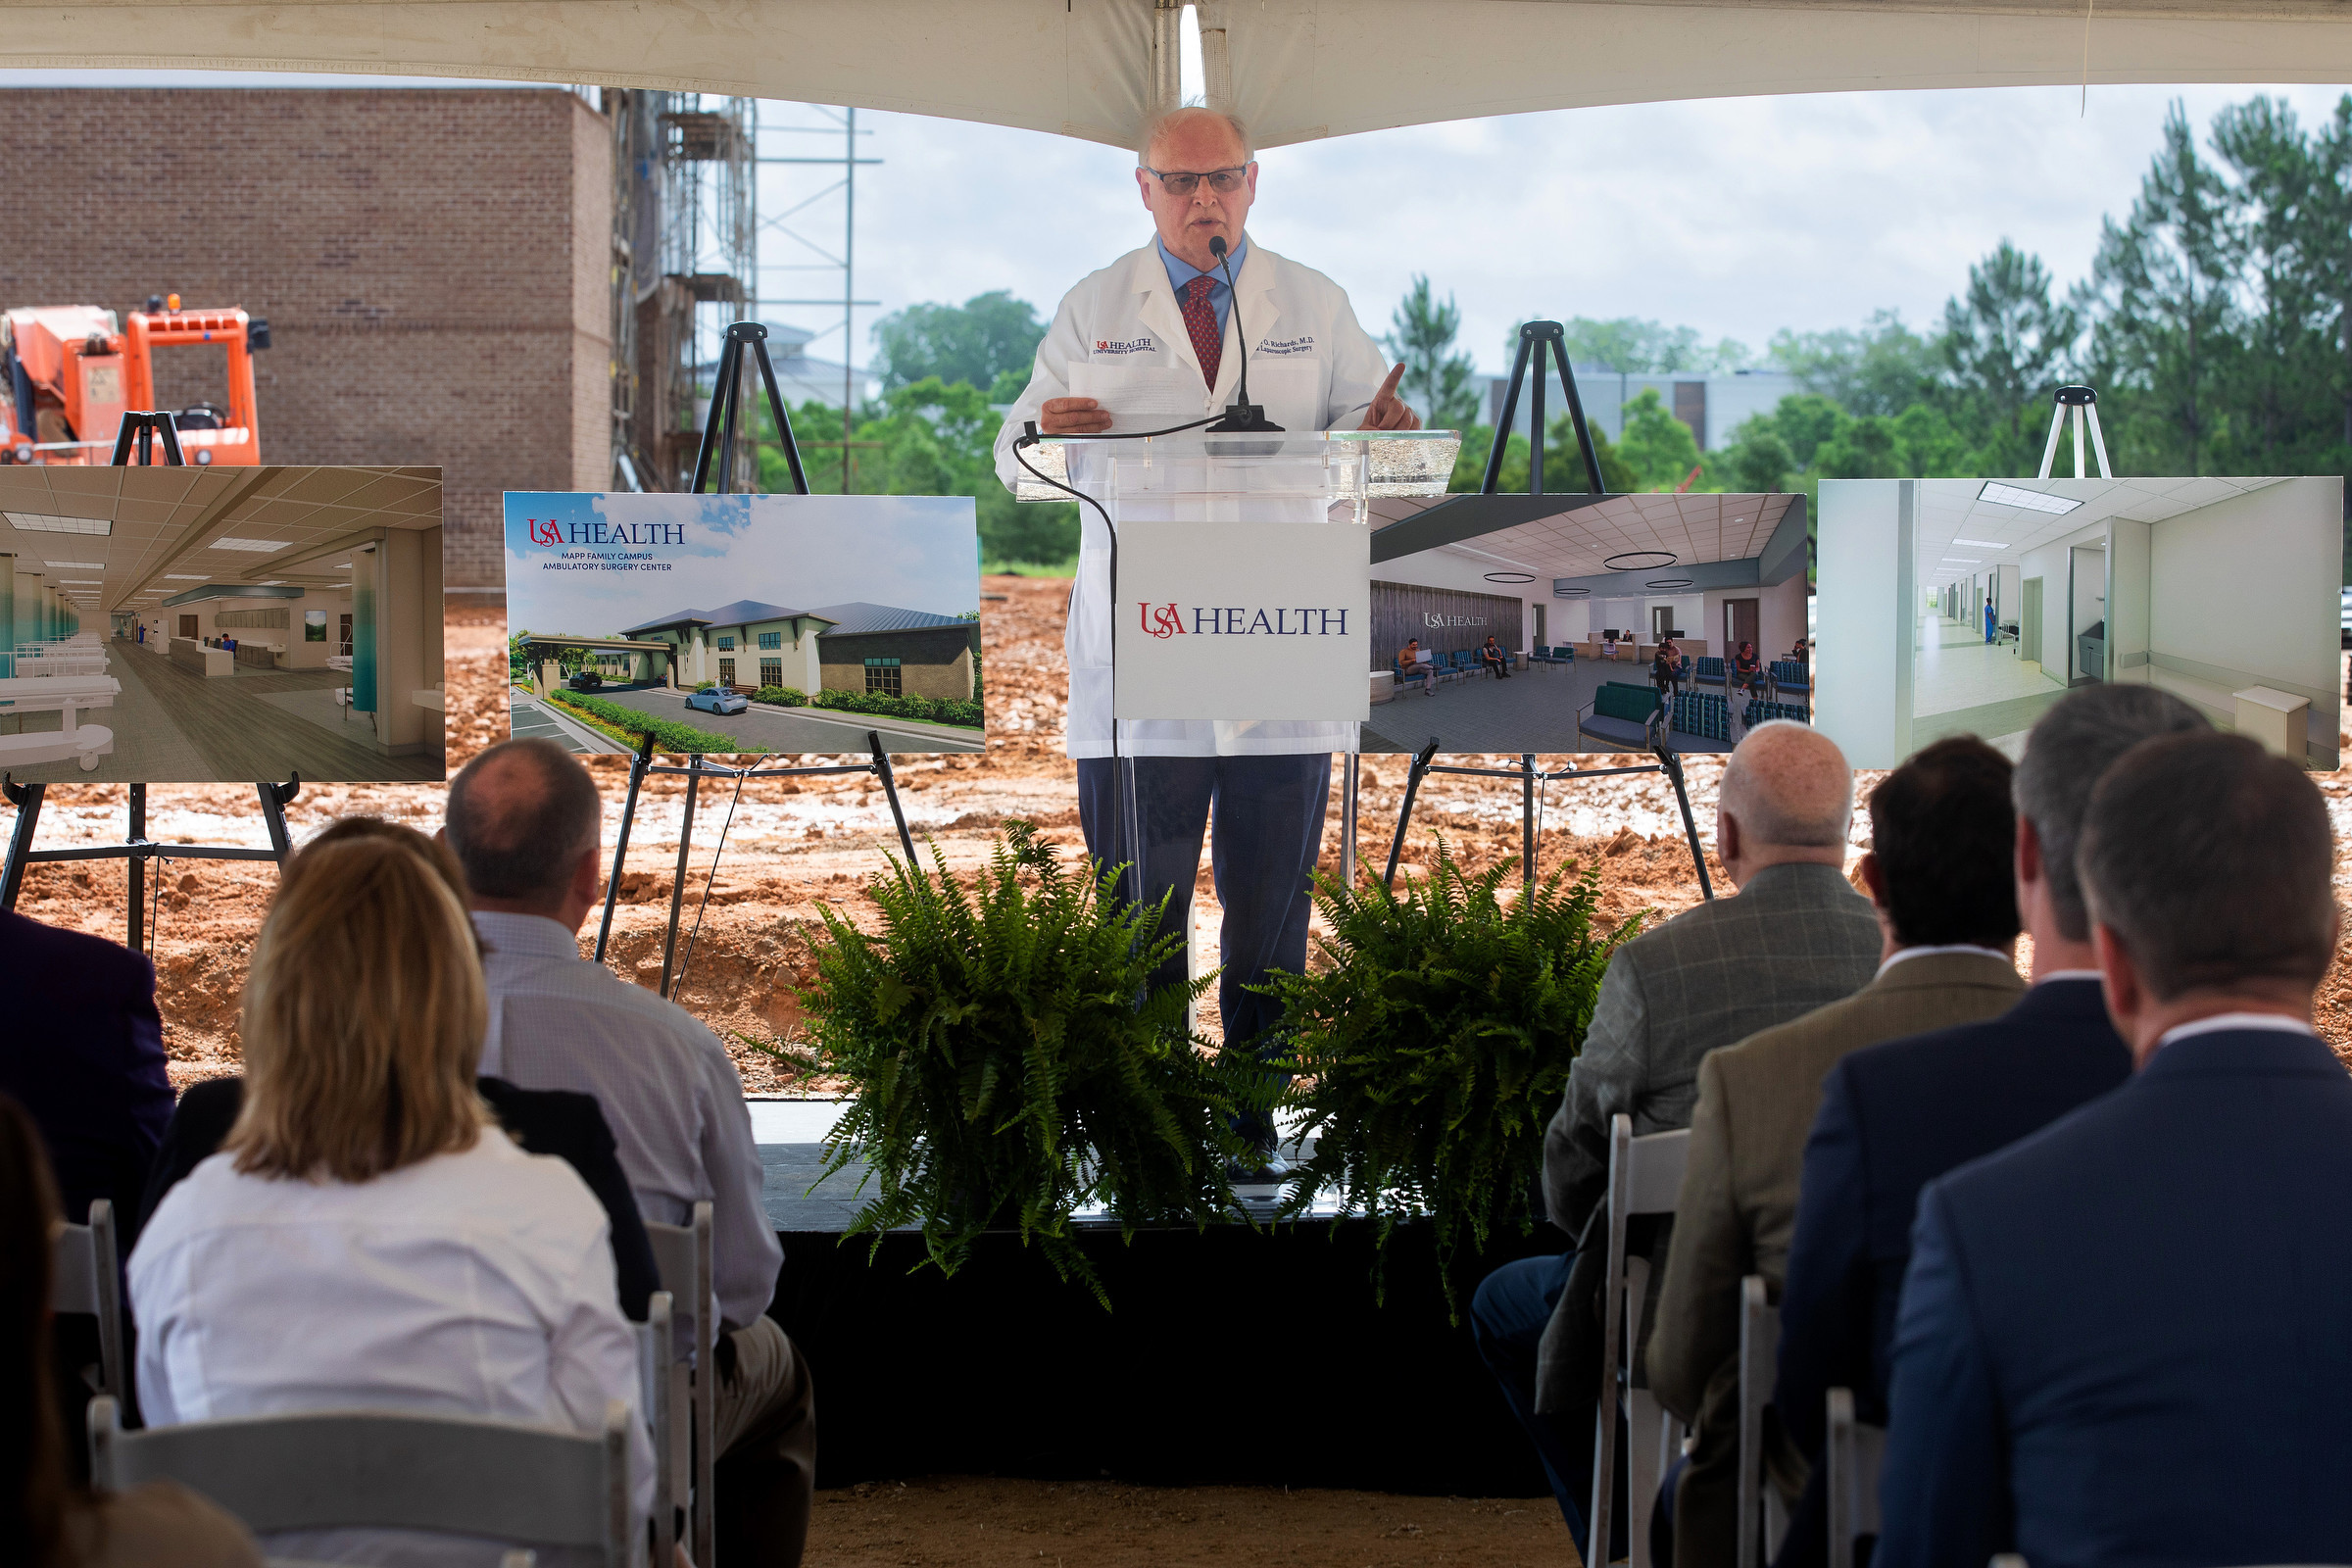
(1527, 819)
(138, 869)
(678, 889)
(620, 850)
(1404, 812)
(274, 814)
(1671, 765)
(26, 797)
(890, 793)
(1347, 786)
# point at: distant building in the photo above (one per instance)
(805, 378)
(1712, 406)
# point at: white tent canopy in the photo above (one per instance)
(1295, 70)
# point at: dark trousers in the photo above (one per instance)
(1268, 813)
(1507, 1316)
(1499, 665)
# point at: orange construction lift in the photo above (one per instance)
(69, 373)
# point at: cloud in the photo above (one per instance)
(1737, 216)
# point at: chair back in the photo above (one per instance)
(682, 1257)
(1645, 1176)
(86, 1277)
(1857, 1450)
(1762, 1520)
(657, 1353)
(388, 1470)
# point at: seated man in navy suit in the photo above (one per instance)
(1896, 1116)
(2123, 1339)
(84, 1053)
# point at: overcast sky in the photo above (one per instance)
(1735, 216)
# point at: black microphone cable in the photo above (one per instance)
(1130, 827)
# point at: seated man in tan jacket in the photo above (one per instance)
(1937, 873)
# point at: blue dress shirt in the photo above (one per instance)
(1220, 296)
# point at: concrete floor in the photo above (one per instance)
(1534, 710)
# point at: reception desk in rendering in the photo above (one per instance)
(189, 653)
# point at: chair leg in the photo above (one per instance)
(1645, 1425)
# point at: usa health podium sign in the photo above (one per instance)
(1243, 622)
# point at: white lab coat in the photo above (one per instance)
(1311, 367)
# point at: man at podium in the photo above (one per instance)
(1155, 340)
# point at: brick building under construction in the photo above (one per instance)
(451, 275)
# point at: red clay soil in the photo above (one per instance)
(794, 843)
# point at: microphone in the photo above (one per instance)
(1241, 415)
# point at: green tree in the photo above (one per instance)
(1563, 464)
(933, 438)
(1441, 382)
(973, 342)
(2159, 289)
(1758, 459)
(1634, 347)
(1884, 367)
(2004, 342)
(1658, 446)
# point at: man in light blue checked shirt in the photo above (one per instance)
(525, 821)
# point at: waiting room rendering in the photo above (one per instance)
(2222, 591)
(1573, 630)
(220, 625)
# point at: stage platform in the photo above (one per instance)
(1215, 1339)
(790, 1135)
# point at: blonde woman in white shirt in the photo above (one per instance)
(367, 1237)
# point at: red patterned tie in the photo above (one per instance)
(1201, 321)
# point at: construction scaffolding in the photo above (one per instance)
(684, 214)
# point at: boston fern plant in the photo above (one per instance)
(1436, 1046)
(1004, 1072)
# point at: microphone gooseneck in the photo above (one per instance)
(1242, 414)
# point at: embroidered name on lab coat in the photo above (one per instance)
(1286, 345)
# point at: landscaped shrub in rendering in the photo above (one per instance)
(782, 695)
(669, 734)
(930, 710)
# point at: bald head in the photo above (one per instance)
(1207, 130)
(521, 814)
(1787, 795)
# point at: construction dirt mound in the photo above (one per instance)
(782, 848)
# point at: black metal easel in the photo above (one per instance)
(1539, 339)
(137, 848)
(718, 434)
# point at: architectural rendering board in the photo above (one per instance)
(1593, 583)
(736, 623)
(1969, 606)
(220, 625)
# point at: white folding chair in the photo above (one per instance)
(86, 1277)
(1645, 1176)
(389, 1470)
(682, 1257)
(1763, 1519)
(1857, 1450)
(657, 1354)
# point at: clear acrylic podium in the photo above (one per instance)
(1286, 477)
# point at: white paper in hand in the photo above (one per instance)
(1140, 397)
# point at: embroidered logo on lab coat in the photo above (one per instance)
(1131, 345)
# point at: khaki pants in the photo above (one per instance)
(765, 1479)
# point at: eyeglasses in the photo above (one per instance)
(1224, 181)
